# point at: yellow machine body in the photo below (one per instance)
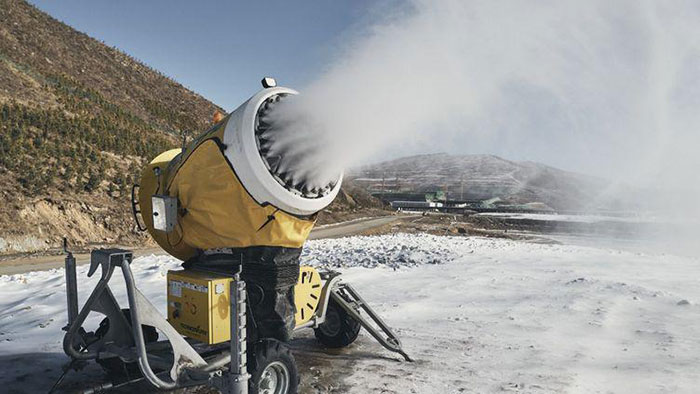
(214, 209)
(199, 305)
(199, 302)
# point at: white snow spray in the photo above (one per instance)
(605, 88)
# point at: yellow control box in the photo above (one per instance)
(199, 305)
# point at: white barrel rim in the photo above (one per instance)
(242, 152)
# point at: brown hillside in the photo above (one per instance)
(77, 121)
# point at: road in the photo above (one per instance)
(42, 263)
(353, 227)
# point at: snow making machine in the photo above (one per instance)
(238, 221)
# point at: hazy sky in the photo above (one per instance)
(220, 49)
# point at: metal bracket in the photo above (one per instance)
(122, 335)
(346, 296)
(108, 259)
(101, 300)
(164, 211)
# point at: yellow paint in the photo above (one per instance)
(307, 293)
(220, 213)
(199, 302)
(215, 210)
(199, 305)
(148, 187)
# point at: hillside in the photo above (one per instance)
(480, 177)
(77, 121)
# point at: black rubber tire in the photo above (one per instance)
(114, 366)
(339, 330)
(266, 352)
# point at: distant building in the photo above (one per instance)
(415, 204)
(456, 204)
(406, 196)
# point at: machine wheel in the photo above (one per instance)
(272, 369)
(339, 329)
(114, 366)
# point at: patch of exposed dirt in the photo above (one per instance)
(39, 225)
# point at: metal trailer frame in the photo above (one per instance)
(184, 362)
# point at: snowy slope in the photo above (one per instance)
(478, 315)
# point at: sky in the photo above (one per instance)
(220, 49)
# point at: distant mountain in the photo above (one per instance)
(78, 119)
(481, 177)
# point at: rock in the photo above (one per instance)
(683, 302)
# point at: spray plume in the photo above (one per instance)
(606, 88)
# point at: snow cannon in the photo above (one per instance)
(227, 189)
(229, 206)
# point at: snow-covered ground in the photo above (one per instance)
(478, 315)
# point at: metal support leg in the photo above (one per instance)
(143, 312)
(238, 369)
(71, 284)
(346, 296)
